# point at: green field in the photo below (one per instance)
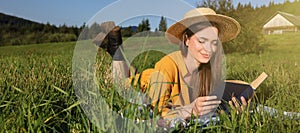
(37, 92)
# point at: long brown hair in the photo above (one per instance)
(210, 74)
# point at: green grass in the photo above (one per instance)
(280, 90)
(37, 92)
(36, 89)
(280, 61)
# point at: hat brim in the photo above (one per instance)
(229, 28)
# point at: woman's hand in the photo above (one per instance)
(239, 107)
(204, 105)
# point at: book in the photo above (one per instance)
(238, 88)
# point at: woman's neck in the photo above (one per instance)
(191, 63)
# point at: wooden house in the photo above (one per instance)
(282, 22)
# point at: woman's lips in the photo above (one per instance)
(205, 55)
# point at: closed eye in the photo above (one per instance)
(202, 40)
(215, 43)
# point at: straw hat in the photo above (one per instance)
(229, 28)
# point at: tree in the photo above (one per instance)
(225, 7)
(75, 30)
(250, 35)
(144, 26)
(162, 24)
(220, 6)
(84, 35)
(127, 31)
(64, 29)
(147, 28)
(48, 28)
(208, 3)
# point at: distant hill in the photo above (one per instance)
(13, 20)
(134, 28)
(19, 31)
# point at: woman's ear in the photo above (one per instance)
(186, 40)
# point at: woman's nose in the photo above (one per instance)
(208, 47)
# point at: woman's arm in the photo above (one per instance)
(199, 107)
(162, 84)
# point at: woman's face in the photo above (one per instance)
(203, 44)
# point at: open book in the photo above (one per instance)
(240, 88)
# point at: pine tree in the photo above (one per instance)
(147, 27)
(144, 26)
(162, 24)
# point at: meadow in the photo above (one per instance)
(37, 92)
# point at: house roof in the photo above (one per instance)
(290, 17)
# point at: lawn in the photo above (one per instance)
(37, 89)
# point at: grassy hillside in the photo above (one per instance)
(37, 92)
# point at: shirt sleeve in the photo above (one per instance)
(162, 81)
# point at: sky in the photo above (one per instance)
(78, 12)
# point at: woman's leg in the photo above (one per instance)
(110, 39)
(120, 70)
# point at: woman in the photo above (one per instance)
(181, 83)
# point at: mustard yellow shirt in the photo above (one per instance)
(165, 85)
